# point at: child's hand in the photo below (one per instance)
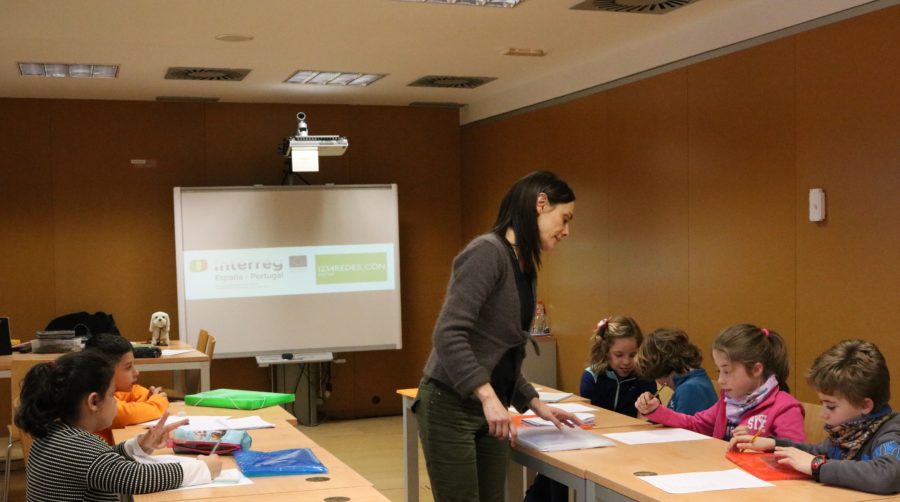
(213, 463)
(646, 403)
(157, 391)
(741, 430)
(156, 436)
(750, 442)
(798, 459)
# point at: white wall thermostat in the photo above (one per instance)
(816, 204)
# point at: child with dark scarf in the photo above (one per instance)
(862, 451)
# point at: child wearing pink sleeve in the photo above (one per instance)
(753, 367)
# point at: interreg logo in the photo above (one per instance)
(350, 268)
(199, 265)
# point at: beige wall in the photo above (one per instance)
(83, 230)
(692, 195)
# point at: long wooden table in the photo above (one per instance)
(340, 476)
(608, 474)
(573, 476)
(193, 360)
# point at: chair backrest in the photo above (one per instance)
(813, 424)
(202, 340)
(210, 346)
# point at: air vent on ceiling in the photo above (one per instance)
(639, 6)
(451, 82)
(437, 104)
(188, 99)
(223, 74)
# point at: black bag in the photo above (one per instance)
(84, 324)
(145, 352)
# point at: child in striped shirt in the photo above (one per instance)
(63, 403)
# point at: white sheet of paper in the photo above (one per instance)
(656, 436)
(553, 397)
(247, 423)
(692, 482)
(197, 422)
(553, 439)
(587, 418)
(573, 407)
(228, 477)
(175, 352)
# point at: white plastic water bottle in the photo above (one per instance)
(539, 324)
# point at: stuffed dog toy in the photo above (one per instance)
(159, 326)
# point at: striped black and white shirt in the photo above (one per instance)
(72, 464)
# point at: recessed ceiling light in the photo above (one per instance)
(512, 51)
(68, 70)
(480, 3)
(233, 37)
(318, 77)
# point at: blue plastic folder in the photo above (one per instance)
(278, 463)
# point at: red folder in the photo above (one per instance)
(763, 465)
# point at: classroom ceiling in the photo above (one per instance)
(404, 40)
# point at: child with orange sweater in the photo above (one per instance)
(134, 404)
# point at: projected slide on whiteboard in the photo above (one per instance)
(289, 269)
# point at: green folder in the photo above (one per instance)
(238, 399)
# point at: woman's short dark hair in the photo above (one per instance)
(53, 391)
(517, 211)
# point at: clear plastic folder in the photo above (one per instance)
(553, 439)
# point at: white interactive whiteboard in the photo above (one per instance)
(289, 269)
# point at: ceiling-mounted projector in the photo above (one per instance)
(304, 150)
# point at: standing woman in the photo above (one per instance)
(474, 372)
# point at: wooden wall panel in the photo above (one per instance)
(570, 140)
(26, 214)
(114, 233)
(742, 193)
(848, 118)
(762, 126)
(94, 233)
(648, 202)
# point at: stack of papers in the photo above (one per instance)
(587, 418)
(553, 439)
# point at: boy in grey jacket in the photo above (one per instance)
(862, 451)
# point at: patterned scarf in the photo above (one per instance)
(851, 435)
(736, 408)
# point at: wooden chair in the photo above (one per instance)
(18, 371)
(813, 424)
(202, 341)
